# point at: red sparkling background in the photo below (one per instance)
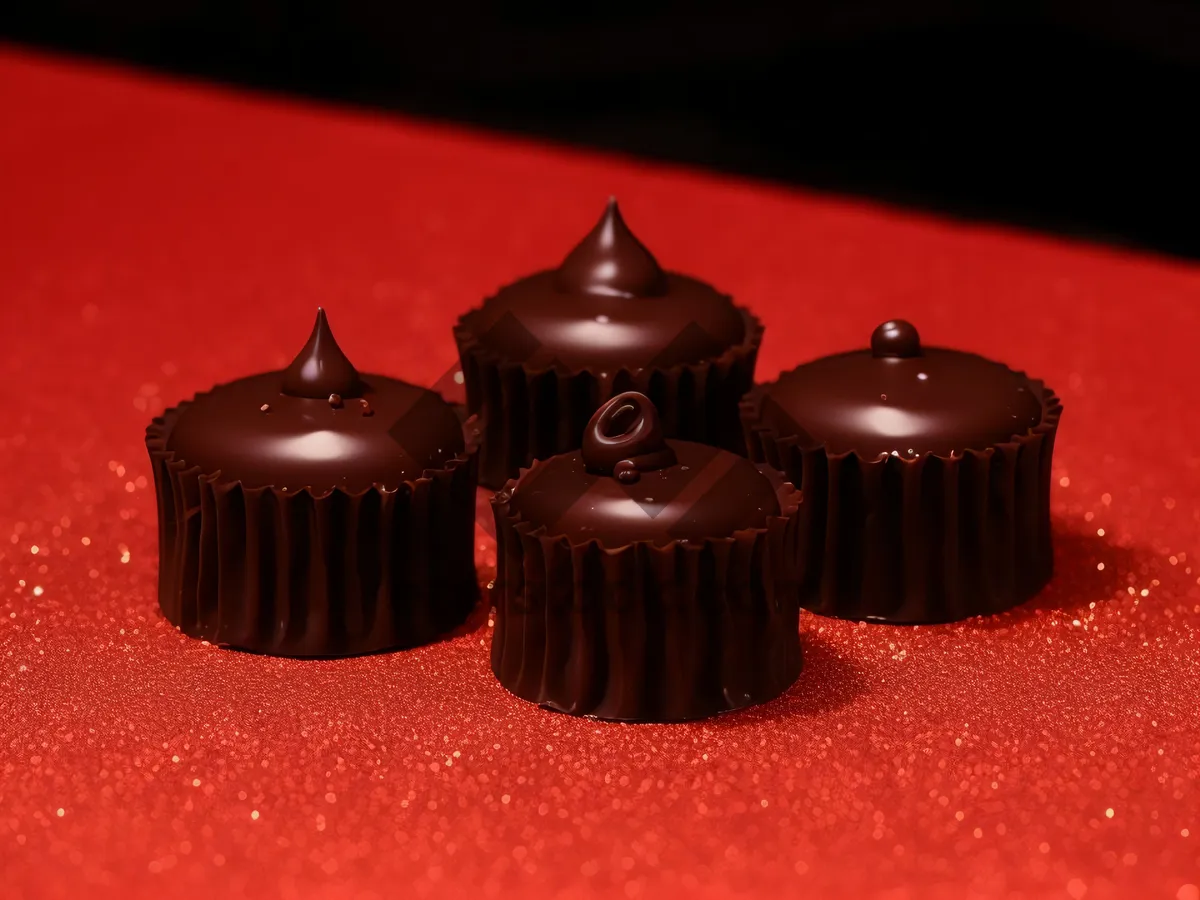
(155, 239)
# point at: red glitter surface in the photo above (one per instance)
(157, 238)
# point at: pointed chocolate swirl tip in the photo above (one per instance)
(321, 370)
(624, 438)
(611, 261)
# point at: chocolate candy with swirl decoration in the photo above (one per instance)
(645, 579)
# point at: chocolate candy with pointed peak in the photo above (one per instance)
(541, 355)
(315, 511)
(646, 579)
(926, 478)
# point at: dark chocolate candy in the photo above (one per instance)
(926, 478)
(609, 306)
(317, 425)
(665, 599)
(902, 399)
(314, 511)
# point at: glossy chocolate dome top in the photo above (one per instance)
(902, 399)
(628, 484)
(318, 424)
(609, 306)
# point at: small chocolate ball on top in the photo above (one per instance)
(315, 511)
(926, 478)
(646, 580)
(542, 354)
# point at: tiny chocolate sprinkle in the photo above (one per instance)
(366, 408)
(266, 407)
(335, 400)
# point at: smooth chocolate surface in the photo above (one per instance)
(608, 306)
(903, 400)
(681, 490)
(317, 425)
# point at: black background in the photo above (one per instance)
(1072, 116)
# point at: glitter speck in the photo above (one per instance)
(1100, 532)
(34, 549)
(1064, 481)
(38, 591)
(1109, 812)
(60, 812)
(254, 814)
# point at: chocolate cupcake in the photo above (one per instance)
(641, 579)
(544, 353)
(314, 511)
(925, 473)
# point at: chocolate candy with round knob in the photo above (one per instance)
(926, 477)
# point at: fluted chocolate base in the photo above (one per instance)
(932, 539)
(534, 413)
(291, 573)
(646, 633)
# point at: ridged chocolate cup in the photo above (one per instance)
(647, 633)
(300, 573)
(535, 412)
(922, 540)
